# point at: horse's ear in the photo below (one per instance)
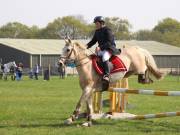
(68, 40)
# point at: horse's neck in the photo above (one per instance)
(82, 63)
(82, 58)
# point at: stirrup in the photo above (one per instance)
(106, 78)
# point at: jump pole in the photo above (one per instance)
(146, 92)
(146, 116)
(157, 115)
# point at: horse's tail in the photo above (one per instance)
(151, 65)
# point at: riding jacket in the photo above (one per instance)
(105, 40)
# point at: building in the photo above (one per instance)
(30, 51)
(46, 52)
(166, 56)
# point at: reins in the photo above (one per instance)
(79, 60)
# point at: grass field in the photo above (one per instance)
(40, 107)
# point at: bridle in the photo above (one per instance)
(75, 61)
(68, 57)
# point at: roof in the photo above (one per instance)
(34, 46)
(54, 47)
(155, 48)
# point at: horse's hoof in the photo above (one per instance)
(87, 124)
(69, 121)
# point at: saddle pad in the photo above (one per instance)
(118, 65)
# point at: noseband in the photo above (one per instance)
(68, 57)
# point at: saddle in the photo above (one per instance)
(117, 64)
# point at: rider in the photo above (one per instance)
(106, 45)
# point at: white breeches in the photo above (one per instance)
(105, 55)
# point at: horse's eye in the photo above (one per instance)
(68, 50)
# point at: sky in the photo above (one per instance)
(142, 14)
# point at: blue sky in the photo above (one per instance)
(142, 14)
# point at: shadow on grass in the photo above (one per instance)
(145, 126)
(56, 125)
(140, 126)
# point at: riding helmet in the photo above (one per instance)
(99, 19)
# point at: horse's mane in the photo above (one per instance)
(81, 46)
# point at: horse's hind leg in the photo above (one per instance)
(12, 77)
(145, 78)
(5, 76)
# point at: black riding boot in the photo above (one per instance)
(105, 79)
(141, 78)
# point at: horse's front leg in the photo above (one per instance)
(90, 110)
(5, 76)
(85, 94)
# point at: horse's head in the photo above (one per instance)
(14, 64)
(68, 52)
(72, 51)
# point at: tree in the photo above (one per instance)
(15, 30)
(51, 31)
(143, 35)
(66, 26)
(120, 27)
(167, 25)
(35, 31)
(72, 27)
(170, 31)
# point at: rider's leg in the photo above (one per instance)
(106, 70)
(105, 58)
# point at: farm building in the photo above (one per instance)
(30, 51)
(47, 51)
(166, 56)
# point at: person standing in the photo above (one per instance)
(36, 71)
(19, 71)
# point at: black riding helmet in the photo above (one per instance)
(99, 19)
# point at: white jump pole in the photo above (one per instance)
(146, 92)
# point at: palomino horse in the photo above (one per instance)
(137, 61)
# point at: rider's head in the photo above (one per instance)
(99, 21)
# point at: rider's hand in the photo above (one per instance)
(97, 49)
(87, 47)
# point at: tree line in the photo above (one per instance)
(166, 31)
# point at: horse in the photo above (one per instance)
(8, 68)
(137, 61)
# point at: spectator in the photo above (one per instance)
(31, 74)
(36, 71)
(46, 74)
(19, 70)
(61, 69)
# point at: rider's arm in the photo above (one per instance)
(92, 42)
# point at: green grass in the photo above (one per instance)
(40, 107)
